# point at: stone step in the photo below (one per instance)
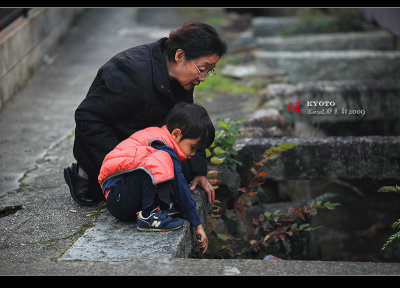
(333, 65)
(371, 40)
(366, 157)
(339, 101)
(202, 267)
(280, 26)
(111, 240)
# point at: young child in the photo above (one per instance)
(142, 176)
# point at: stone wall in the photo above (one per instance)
(366, 157)
(28, 43)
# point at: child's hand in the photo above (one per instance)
(206, 185)
(203, 241)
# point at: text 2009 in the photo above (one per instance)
(354, 112)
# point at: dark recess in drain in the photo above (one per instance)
(5, 211)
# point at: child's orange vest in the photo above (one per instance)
(136, 153)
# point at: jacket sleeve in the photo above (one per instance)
(181, 188)
(183, 195)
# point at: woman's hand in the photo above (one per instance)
(203, 241)
(202, 180)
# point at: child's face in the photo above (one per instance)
(188, 146)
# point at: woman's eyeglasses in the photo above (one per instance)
(202, 74)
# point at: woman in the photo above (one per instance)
(134, 90)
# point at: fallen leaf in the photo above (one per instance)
(213, 172)
(214, 181)
(254, 184)
(249, 194)
(253, 242)
(223, 237)
(290, 233)
(242, 189)
(260, 174)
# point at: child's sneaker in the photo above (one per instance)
(158, 221)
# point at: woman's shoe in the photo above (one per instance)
(78, 186)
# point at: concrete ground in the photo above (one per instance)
(42, 221)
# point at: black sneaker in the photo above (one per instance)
(78, 186)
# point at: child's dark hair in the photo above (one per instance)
(193, 121)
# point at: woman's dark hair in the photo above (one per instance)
(196, 39)
(193, 121)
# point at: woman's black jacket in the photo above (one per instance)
(130, 92)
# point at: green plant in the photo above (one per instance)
(225, 84)
(222, 149)
(258, 171)
(272, 229)
(396, 224)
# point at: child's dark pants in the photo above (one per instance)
(136, 192)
